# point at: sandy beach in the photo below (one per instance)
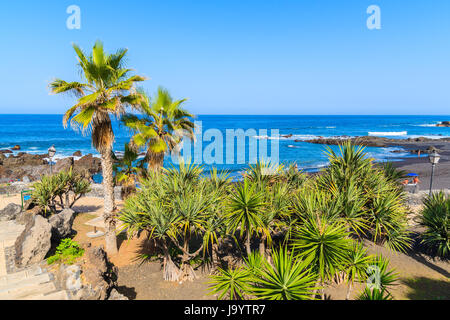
(422, 166)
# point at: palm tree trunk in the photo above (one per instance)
(155, 161)
(109, 206)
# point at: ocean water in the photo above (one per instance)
(36, 133)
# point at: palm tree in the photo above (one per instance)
(161, 126)
(126, 173)
(107, 88)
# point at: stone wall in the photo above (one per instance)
(97, 191)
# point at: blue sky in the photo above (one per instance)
(241, 57)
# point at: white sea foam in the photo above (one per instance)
(427, 125)
(388, 134)
(293, 137)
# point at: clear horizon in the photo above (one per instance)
(248, 58)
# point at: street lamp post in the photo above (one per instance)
(51, 154)
(434, 160)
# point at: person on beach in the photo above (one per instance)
(416, 182)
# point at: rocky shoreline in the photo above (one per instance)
(445, 124)
(411, 145)
(28, 167)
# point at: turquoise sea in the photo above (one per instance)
(36, 133)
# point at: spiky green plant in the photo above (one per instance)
(323, 244)
(293, 177)
(126, 173)
(60, 190)
(263, 173)
(287, 277)
(181, 208)
(380, 280)
(245, 205)
(229, 283)
(380, 275)
(392, 173)
(375, 294)
(356, 265)
(371, 203)
(435, 218)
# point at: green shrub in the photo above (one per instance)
(285, 277)
(67, 252)
(435, 218)
(61, 190)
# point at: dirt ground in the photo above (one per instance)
(421, 278)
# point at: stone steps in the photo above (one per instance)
(22, 292)
(38, 279)
(18, 276)
(57, 295)
(32, 283)
(9, 231)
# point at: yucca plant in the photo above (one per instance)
(245, 206)
(276, 198)
(263, 173)
(144, 211)
(215, 229)
(371, 203)
(229, 283)
(380, 275)
(393, 174)
(435, 218)
(60, 190)
(386, 218)
(44, 193)
(356, 266)
(375, 294)
(293, 177)
(323, 244)
(180, 208)
(380, 279)
(287, 278)
(193, 209)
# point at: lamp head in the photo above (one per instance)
(51, 151)
(434, 157)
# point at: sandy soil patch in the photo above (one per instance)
(13, 198)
